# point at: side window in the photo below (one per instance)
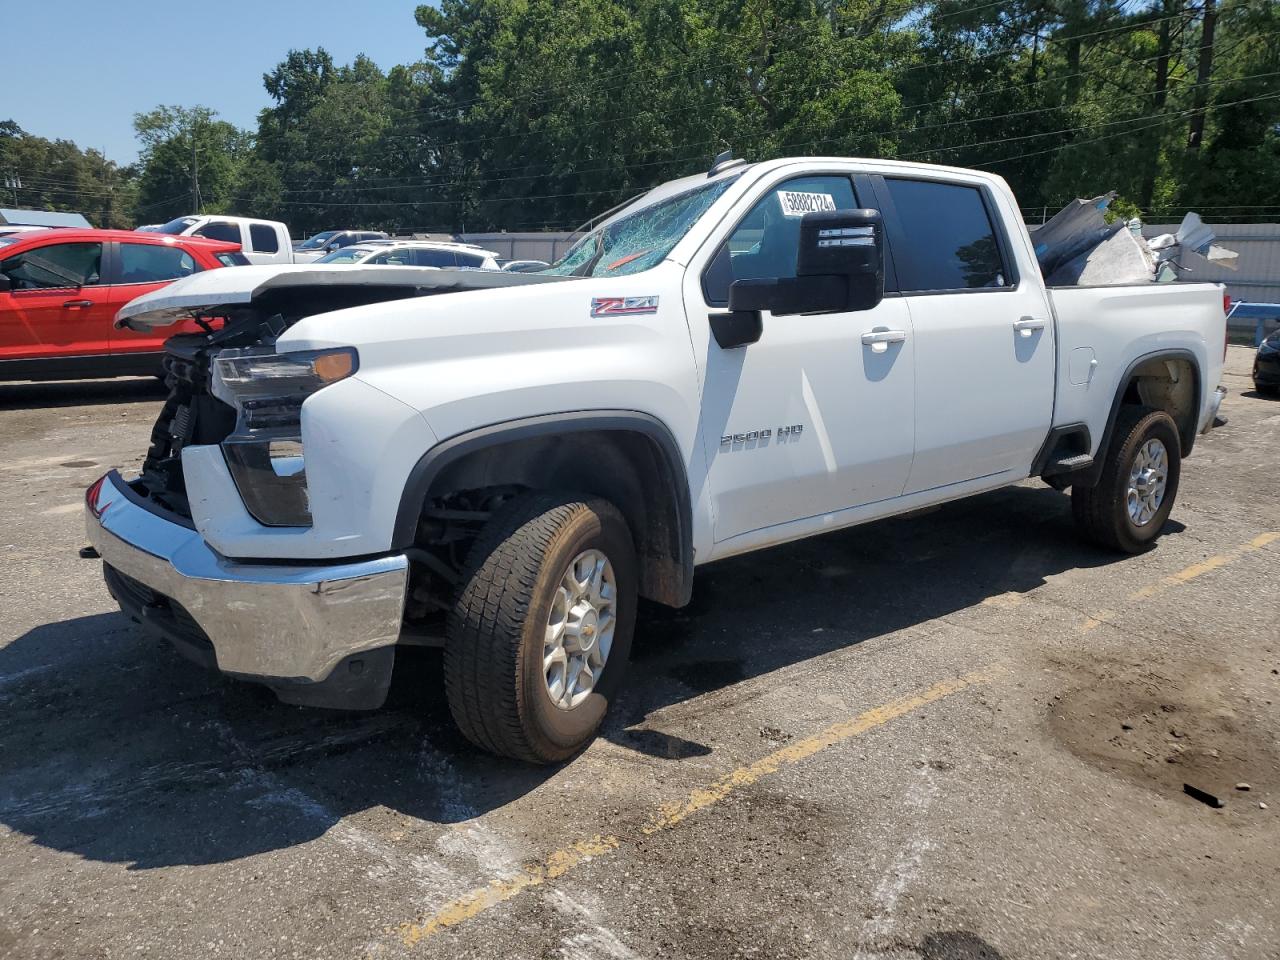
(435, 258)
(394, 258)
(950, 242)
(344, 239)
(765, 243)
(220, 230)
(55, 266)
(154, 263)
(470, 260)
(263, 238)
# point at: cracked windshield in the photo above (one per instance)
(639, 241)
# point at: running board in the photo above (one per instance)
(1070, 464)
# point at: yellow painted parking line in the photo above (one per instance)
(1205, 566)
(670, 815)
(1186, 575)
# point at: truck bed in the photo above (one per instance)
(1101, 331)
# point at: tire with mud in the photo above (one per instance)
(540, 631)
(1138, 485)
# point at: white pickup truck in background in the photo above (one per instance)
(502, 463)
(261, 241)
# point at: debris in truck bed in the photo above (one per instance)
(1077, 247)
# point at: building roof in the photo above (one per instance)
(42, 218)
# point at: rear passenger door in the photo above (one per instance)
(264, 240)
(138, 268)
(984, 351)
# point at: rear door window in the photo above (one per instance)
(55, 266)
(263, 238)
(435, 258)
(220, 230)
(948, 241)
(154, 263)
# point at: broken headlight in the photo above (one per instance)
(264, 452)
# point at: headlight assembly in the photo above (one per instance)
(264, 452)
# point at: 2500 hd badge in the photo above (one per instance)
(762, 436)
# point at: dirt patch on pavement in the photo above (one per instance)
(1163, 731)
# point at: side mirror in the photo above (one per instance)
(839, 268)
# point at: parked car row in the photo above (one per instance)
(60, 290)
(416, 253)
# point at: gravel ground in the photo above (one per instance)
(958, 735)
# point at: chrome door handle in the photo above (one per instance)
(879, 340)
(73, 304)
(1027, 325)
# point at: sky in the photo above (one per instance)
(80, 69)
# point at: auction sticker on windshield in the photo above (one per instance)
(623, 306)
(797, 204)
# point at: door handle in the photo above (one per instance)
(879, 340)
(1027, 325)
(74, 304)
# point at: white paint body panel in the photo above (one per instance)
(961, 406)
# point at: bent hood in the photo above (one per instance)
(204, 293)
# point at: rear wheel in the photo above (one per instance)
(540, 632)
(1138, 485)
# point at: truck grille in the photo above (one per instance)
(191, 415)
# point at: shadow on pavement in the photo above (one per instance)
(114, 748)
(77, 393)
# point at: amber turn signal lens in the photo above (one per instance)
(330, 367)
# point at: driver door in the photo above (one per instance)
(810, 419)
(57, 306)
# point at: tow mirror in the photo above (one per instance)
(839, 268)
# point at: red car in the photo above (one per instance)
(60, 290)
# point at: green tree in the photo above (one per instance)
(190, 162)
(321, 141)
(58, 175)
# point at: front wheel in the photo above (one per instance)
(540, 632)
(1139, 482)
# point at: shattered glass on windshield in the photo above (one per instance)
(641, 240)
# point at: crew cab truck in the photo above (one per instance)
(501, 464)
(261, 241)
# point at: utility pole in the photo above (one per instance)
(1204, 71)
(14, 183)
(195, 172)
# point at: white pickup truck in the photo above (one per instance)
(502, 463)
(261, 241)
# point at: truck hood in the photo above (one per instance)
(204, 293)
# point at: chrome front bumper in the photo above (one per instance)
(284, 625)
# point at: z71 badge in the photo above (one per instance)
(623, 306)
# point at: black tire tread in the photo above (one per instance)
(482, 661)
(1094, 508)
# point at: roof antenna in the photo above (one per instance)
(723, 161)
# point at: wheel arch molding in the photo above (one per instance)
(634, 461)
(1185, 420)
